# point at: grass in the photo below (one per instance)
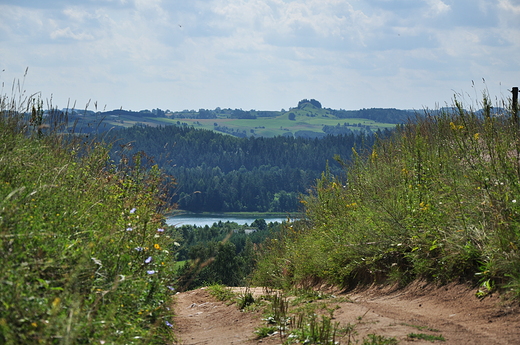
(85, 258)
(428, 337)
(263, 332)
(245, 301)
(308, 318)
(440, 200)
(267, 126)
(374, 339)
(420, 328)
(221, 292)
(281, 125)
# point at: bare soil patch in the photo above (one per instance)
(452, 311)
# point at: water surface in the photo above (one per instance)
(210, 219)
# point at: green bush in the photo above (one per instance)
(84, 255)
(437, 200)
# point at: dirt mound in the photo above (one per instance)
(452, 312)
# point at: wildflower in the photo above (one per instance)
(156, 246)
(139, 249)
(177, 244)
(455, 127)
(373, 156)
(150, 272)
(132, 211)
(129, 229)
(513, 201)
(168, 324)
(148, 260)
(160, 230)
(171, 288)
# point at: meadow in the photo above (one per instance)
(85, 257)
(280, 125)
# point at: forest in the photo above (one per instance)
(221, 173)
(223, 253)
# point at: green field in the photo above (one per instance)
(273, 126)
(304, 120)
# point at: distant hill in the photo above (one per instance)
(308, 119)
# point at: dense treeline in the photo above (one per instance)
(217, 172)
(224, 253)
(262, 189)
(390, 115)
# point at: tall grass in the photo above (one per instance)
(84, 255)
(439, 200)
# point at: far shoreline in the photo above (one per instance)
(258, 215)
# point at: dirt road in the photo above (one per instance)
(452, 312)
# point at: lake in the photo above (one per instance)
(209, 219)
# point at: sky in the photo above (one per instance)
(259, 54)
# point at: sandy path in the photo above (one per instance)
(451, 311)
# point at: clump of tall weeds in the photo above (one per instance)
(439, 200)
(85, 258)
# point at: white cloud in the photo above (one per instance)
(259, 53)
(437, 7)
(508, 6)
(67, 33)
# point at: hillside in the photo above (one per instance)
(222, 173)
(438, 200)
(305, 120)
(85, 257)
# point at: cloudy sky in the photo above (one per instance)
(260, 54)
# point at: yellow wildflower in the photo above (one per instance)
(424, 206)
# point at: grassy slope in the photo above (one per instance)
(440, 200)
(281, 124)
(75, 236)
(274, 126)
